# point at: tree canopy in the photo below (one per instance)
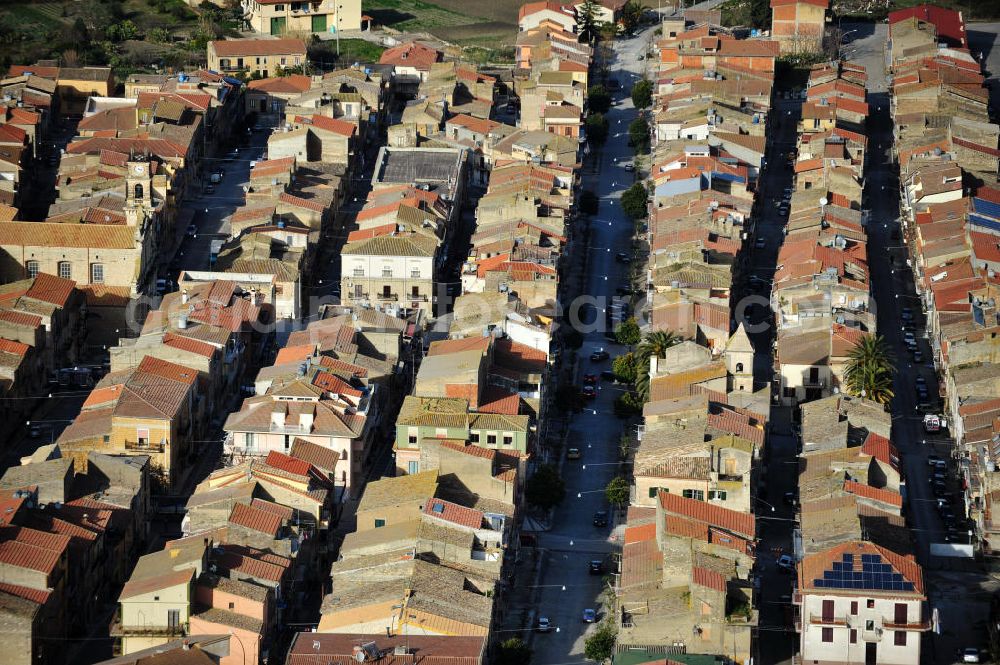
(642, 93)
(869, 370)
(634, 201)
(601, 643)
(597, 128)
(598, 99)
(617, 492)
(628, 332)
(545, 489)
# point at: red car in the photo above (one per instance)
(590, 379)
(589, 392)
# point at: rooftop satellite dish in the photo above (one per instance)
(823, 201)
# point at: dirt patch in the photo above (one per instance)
(492, 30)
(502, 11)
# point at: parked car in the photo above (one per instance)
(786, 563)
(543, 625)
(589, 379)
(970, 655)
(596, 567)
(932, 423)
(629, 166)
(918, 356)
(909, 337)
(210, 189)
(906, 314)
(932, 460)
(601, 518)
(192, 230)
(590, 616)
(760, 243)
(589, 392)
(599, 356)
(573, 453)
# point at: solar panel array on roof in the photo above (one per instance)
(874, 575)
(985, 207)
(985, 222)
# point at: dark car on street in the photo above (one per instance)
(601, 518)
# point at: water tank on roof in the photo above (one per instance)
(182, 77)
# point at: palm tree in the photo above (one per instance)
(656, 344)
(870, 366)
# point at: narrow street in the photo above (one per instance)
(564, 587)
(778, 471)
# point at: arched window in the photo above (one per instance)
(739, 368)
(138, 191)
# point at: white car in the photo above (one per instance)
(785, 562)
(543, 625)
(970, 655)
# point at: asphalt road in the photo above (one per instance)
(776, 519)
(955, 587)
(213, 210)
(565, 587)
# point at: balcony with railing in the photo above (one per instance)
(820, 620)
(388, 297)
(892, 624)
(117, 629)
(145, 446)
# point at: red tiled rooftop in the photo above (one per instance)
(253, 518)
(737, 522)
(452, 512)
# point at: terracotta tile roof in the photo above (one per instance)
(13, 347)
(22, 555)
(374, 231)
(754, 48)
(41, 234)
(498, 400)
(308, 204)
(344, 366)
(316, 455)
(284, 512)
(286, 463)
(252, 47)
(143, 585)
(470, 449)
(256, 519)
(20, 318)
(708, 579)
(454, 513)
(38, 596)
(332, 383)
(335, 125)
(473, 124)
(252, 563)
(411, 54)
(287, 84)
(731, 520)
(297, 353)
(175, 341)
(874, 493)
(881, 449)
(739, 424)
(51, 289)
(680, 384)
(812, 567)
(635, 534)
(448, 346)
